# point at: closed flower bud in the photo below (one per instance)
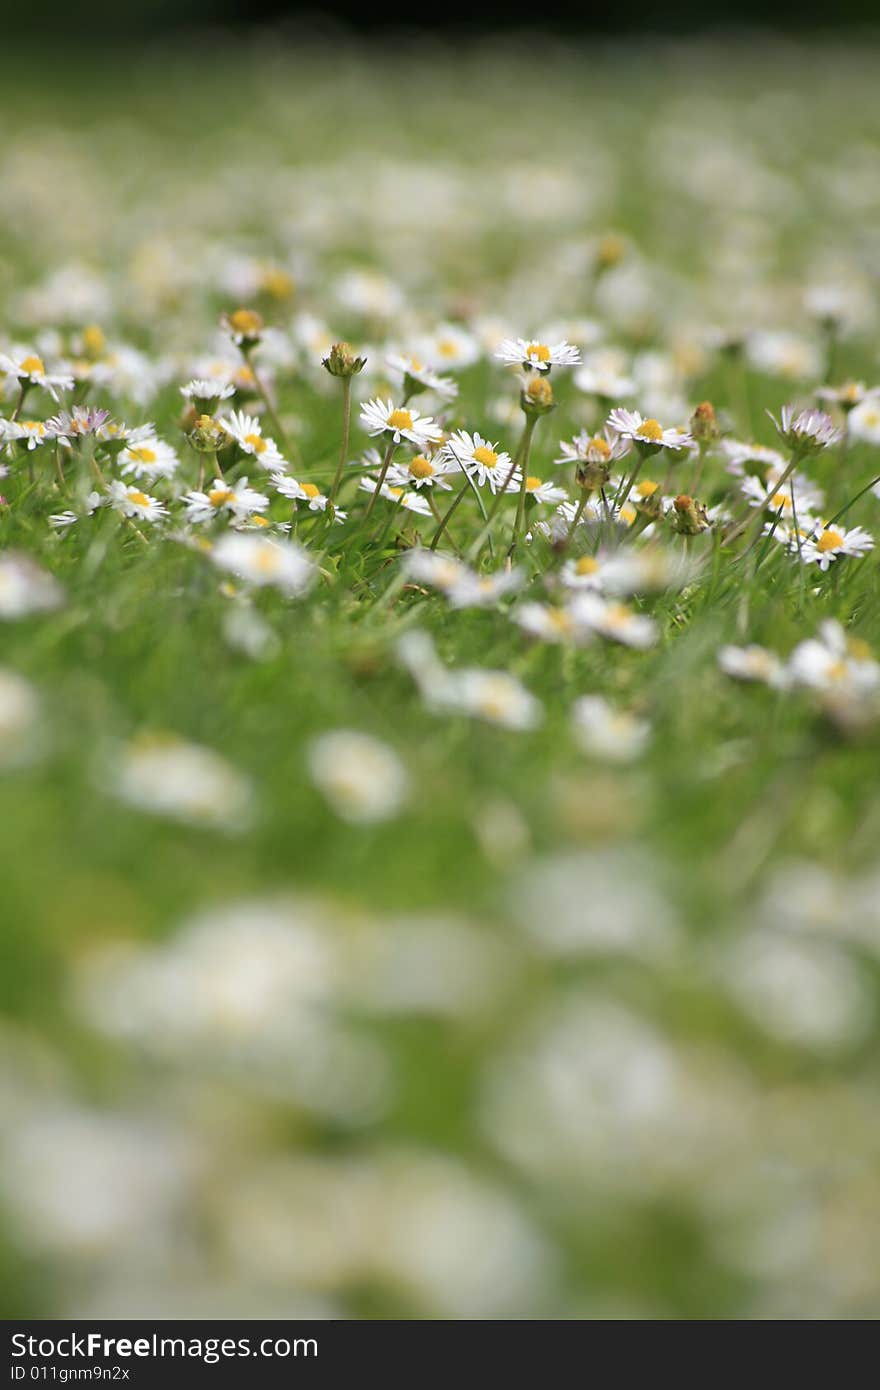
(536, 397)
(341, 361)
(688, 516)
(208, 435)
(704, 425)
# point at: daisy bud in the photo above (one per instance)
(536, 397)
(688, 516)
(704, 425)
(341, 361)
(208, 435)
(245, 327)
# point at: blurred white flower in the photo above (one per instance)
(362, 778)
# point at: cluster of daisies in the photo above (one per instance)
(633, 506)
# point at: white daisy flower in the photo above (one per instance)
(472, 590)
(614, 621)
(752, 663)
(235, 499)
(26, 588)
(832, 661)
(785, 355)
(596, 450)
(482, 461)
(829, 543)
(301, 492)
(33, 433)
(494, 696)
(740, 454)
(450, 345)
(19, 719)
(604, 732)
(604, 382)
(430, 567)
(422, 470)
(130, 501)
(148, 458)
(62, 521)
(264, 562)
(647, 432)
(411, 501)
(27, 368)
(167, 776)
(546, 493)
(362, 779)
(537, 356)
(864, 422)
(384, 417)
(583, 573)
(807, 497)
(207, 392)
(247, 431)
(805, 431)
(551, 624)
(416, 376)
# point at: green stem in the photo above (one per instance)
(346, 426)
(449, 514)
(524, 469)
(389, 453)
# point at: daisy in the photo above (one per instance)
(752, 663)
(604, 732)
(148, 458)
(805, 431)
(740, 455)
(244, 326)
(301, 492)
(584, 573)
(362, 779)
(32, 432)
(411, 501)
(130, 501)
(80, 423)
(236, 499)
(603, 382)
(26, 588)
(614, 621)
(261, 562)
(422, 471)
(450, 345)
(417, 377)
(864, 422)
(832, 660)
(166, 776)
(483, 462)
(470, 590)
(543, 492)
(537, 356)
(62, 521)
(848, 396)
(247, 431)
(494, 696)
(28, 369)
(381, 417)
(647, 433)
(807, 497)
(206, 394)
(784, 355)
(550, 624)
(831, 542)
(595, 450)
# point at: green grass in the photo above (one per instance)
(206, 155)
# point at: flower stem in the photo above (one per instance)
(346, 425)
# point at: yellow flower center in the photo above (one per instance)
(586, 565)
(32, 365)
(532, 484)
(277, 283)
(36, 426)
(247, 322)
(421, 467)
(779, 499)
(310, 490)
(651, 429)
(617, 615)
(400, 420)
(257, 443)
(538, 352)
(599, 446)
(259, 521)
(447, 348)
(93, 340)
(266, 559)
(830, 540)
(143, 454)
(395, 492)
(485, 456)
(628, 514)
(415, 365)
(140, 499)
(220, 495)
(646, 488)
(859, 649)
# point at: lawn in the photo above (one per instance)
(340, 976)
